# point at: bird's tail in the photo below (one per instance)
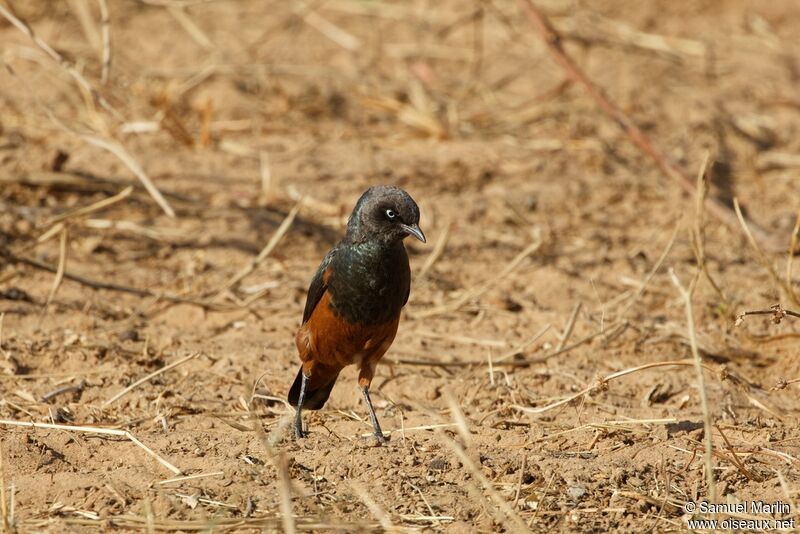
(317, 391)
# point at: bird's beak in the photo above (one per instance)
(413, 229)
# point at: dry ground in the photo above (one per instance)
(240, 110)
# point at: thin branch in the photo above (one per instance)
(631, 129)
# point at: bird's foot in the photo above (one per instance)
(383, 440)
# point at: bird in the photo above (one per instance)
(354, 301)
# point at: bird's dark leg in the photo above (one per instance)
(298, 417)
(375, 425)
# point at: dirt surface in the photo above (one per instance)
(239, 111)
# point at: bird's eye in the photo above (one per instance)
(391, 214)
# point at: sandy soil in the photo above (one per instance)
(238, 110)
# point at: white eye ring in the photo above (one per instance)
(391, 214)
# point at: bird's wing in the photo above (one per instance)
(319, 284)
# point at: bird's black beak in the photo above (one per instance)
(413, 229)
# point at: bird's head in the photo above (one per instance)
(384, 213)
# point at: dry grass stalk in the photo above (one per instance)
(88, 26)
(573, 317)
(762, 257)
(119, 151)
(735, 458)
(148, 378)
(411, 428)
(376, 510)
(524, 345)
(6, 510)
(631, 129)
(610, 332)
(265, 252)
(265, 172)
(285, 493)
(227, 524)
(96, 430)
(94, 284)
(792, 250)
(437, 251)
(602, 383)
(178, 480)
(601, 28)
(92, 208)
(686, 295)
(330, 30)
(189, 26)
(478, 290)
(640, 290)
(81, 81)
(698, 238)
(508, 516)
(62, 266)
(458, 417)
(105, 29)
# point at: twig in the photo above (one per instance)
(95, 430)
(639, 138)
(783, 384)
(686, 295)
(265, 252)
(480, 289)
(148, 377)
(119, 151)
(777, 311)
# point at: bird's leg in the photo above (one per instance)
(364, 380)
(298, 417)
(375, 425)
